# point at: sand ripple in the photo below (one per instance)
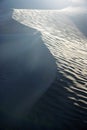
(65, 103)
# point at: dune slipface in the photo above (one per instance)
(27, 69)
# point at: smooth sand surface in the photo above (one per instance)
(27, 69)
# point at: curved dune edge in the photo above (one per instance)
(27, 70)
(64, 105)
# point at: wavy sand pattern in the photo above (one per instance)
(64, 105)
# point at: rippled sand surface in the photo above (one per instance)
(64, 105)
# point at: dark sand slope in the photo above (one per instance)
(80, 20)
(27, 69)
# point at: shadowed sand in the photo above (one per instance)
(80, 20)
(27, 69)
(55, 110)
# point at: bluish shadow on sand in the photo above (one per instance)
(27, 69)
(80, 20)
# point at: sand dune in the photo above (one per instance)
(64, 104)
